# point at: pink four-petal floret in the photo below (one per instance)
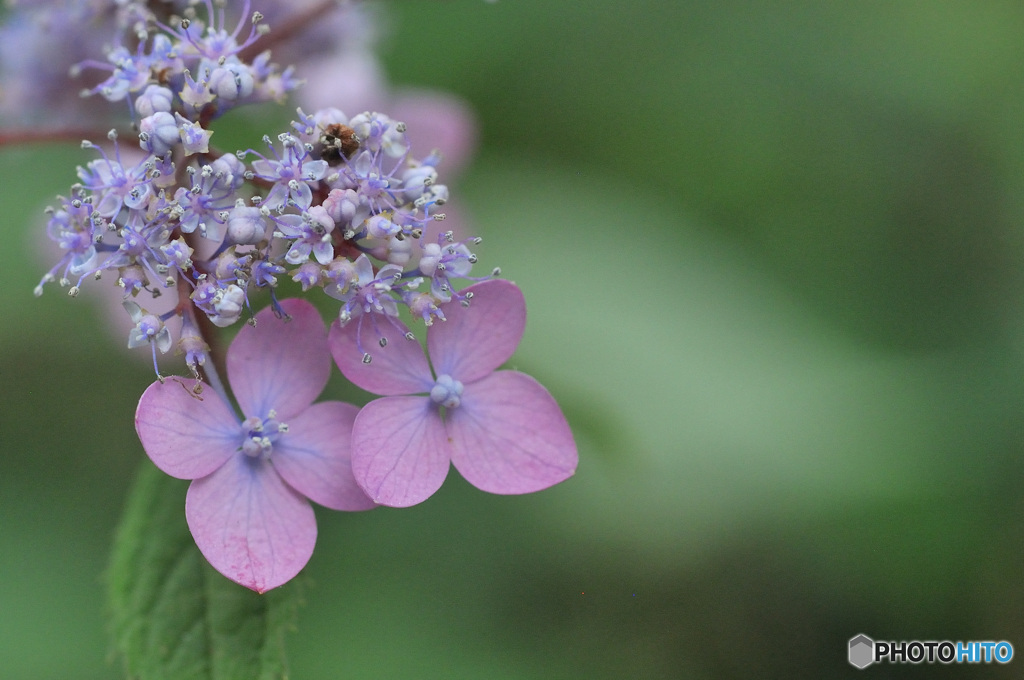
(506, 434)
(247, 507)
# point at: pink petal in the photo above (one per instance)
(399, 450)
(278, 364)
(437, 120)
(249, 524)
(314, 456)
(477, 339)
(509, 436)
(360, 90)
(398, 368)
(186, 436)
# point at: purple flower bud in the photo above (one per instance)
(231, 81)
(380, 227)
(158, 133)
(154, 99)
(227, 306)
(378, 132)
(246, 225)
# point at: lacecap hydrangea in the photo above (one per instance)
(336, 207)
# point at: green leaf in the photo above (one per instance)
(173, 615)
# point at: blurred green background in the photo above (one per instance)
(773, 254)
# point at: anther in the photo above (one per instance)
(367, 358)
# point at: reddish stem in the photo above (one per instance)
(287, 29)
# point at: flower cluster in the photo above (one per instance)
(335, 203)
(335, 206)
(42, 41)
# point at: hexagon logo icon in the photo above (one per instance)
(862, 651)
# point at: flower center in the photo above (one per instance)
(447, 391)
(260, 435)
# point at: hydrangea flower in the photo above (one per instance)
(247, 506)
(502, 430)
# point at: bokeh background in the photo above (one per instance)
(773, 255)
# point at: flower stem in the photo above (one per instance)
(210, 371)
(288, 29)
